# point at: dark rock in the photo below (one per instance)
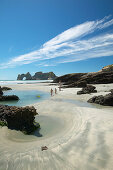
(6, 88)
(27, 76)
(44, 76)
(69, 78)
(44, 148)
(76, 84)
(111, 90)
(37, 76)
(8, 98)
(106, 100)
(103, 76)
(81, 84)
(1, 92)
(18, 118)
(87, 90)
(98, 78)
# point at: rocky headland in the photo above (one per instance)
(37, 76)
(103, 76)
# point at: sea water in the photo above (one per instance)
(6, 82)
(26, 97)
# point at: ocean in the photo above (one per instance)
(6, 82)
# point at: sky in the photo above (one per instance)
(63, 36)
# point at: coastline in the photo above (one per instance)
(83, 140)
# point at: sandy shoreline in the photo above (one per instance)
(83, 141)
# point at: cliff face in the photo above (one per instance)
(37, 76)
(103, 76)
(68, 78)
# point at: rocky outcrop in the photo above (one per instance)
(108, 68)
(103, 76)
(98, 78)
(1, 92)
(44, 76)
(69, 78)
(37, 76)
(106, 100)
(27, 76)
(111, 90)
(5, 88)
(87, 90)
(18, 118)
(9, 98)
(78, 84)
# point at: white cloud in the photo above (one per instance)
(71, 45)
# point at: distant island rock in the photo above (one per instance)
(103, 76)
(37, 76)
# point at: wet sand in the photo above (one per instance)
(78, 136)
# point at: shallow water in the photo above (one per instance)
(27, 97)
(49, 127)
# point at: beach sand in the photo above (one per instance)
(82, 138)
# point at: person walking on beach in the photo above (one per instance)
(55, 91)
(51, 92)
(59, 85)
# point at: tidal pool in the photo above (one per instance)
(27, 97)
(50, 126)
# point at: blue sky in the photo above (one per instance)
(63, 36)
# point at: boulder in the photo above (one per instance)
(18, 118)
(111, 90)
(1, 92)
(87, 90)
(106, 100)
(8, 98)
(6, 88)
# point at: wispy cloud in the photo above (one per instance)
(71, 45)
